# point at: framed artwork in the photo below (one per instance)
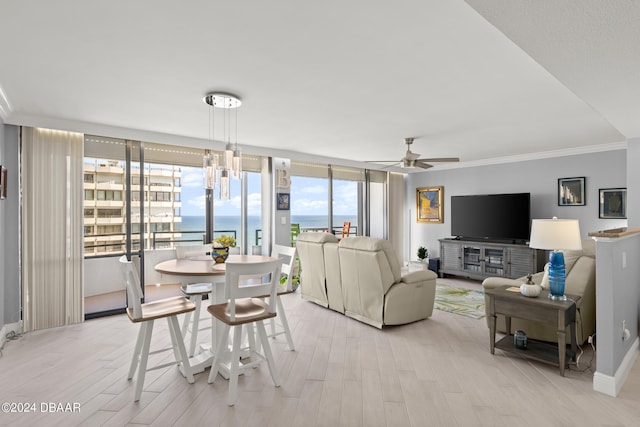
(3, 183)
(430, 204)
(571, 192)
(283, 201)
(613, 203)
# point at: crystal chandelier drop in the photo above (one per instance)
(216, 172)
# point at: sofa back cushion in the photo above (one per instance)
(375, 255)
(312, 264)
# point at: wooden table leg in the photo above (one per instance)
(574, 342)
(562, 341)
(492, 334)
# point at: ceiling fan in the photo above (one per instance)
(413, 160)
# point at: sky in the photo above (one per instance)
(308, 196)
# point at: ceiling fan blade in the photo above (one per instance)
(422, 164)
(441, 159)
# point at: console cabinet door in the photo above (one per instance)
(450, 256)
(521, 262)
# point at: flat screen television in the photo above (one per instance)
(498, 217)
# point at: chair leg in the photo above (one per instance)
(185, 323)
(262, 333)
(251, 338)
(135, 360)
(219, 354)
(144, 357)
(234, 365)
(197, 300)
(179, 349)
(285, 324)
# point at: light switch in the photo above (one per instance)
(624, 260)
(283, 220)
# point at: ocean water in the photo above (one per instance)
(227, 224)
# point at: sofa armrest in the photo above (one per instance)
(418, 276)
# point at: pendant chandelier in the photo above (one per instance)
(217, 171)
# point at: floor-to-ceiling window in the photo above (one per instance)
(347, 190)
(309, 195)
(324, 197)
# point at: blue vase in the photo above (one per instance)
(556, 276)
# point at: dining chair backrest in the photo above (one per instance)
(247, 280)
(186, 251)
(346, 229)
(288, 256)
(132, 282)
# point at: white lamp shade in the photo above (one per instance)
(552, 234)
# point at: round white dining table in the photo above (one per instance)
(199, 268)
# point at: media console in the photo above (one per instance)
(479, 260)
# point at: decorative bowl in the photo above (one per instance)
(220, 255)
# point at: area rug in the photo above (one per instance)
(465, 302)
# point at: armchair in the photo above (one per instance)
(580, 280)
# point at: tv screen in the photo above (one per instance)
(493, 216)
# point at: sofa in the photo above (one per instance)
(580, 270)
(363, 280)
(320, 269)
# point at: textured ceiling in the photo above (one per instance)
(348, 80)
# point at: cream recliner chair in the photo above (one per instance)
(580, 279)
(373, 289)
(313, 276)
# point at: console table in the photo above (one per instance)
(479, 260)
(508, 301)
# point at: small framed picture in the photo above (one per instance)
(613, 203)
(3, 182)
(430, 204)
(571, 192)
(283, 201)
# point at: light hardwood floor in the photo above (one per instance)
(344, 373)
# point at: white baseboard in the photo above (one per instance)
(612, 385)
(15, 327)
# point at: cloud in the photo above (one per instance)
(192, 177)
(198, 202)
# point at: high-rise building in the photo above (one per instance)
(105, 206)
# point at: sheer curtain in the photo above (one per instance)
(52, 228)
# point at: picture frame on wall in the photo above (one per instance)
(3, 182)
(430, 204)
(612, 203)
(282, 201)
(571, 191)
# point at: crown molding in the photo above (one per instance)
(534, 156)
(186, 141)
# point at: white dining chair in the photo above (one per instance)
(288, 256)
(195, 292)
(146, 314)
(245, 307)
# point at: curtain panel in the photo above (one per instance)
(52, 228)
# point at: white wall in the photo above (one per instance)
(538, 177)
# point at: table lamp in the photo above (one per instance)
(556, 235)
